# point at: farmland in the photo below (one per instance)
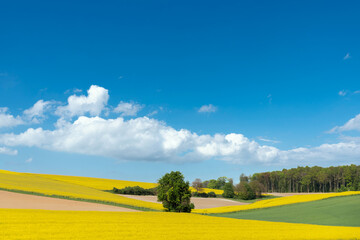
(338, 211)
(26, 221)
(37, 224)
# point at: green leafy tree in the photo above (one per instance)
(228, 190)
(174, 193)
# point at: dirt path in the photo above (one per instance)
(25, 201)
(200, 203)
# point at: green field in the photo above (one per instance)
(338, 211)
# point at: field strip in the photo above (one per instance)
(200, 203)
(275, 202)
(13, 200)
(30, 184)
(42, 224)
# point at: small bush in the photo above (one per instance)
(135, 191)
(212, 195)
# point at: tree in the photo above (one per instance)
(244, 191)
(228, 190)
(197, 184)
(212, 184)
(257, 187)
(174, 193)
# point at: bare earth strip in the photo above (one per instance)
(291, 194)
(13, 200)
(200, 203)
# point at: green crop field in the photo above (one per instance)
(339, 211)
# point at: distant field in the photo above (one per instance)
(54, 225)
(108, 184)
(274, 202)
(33, 184)
(339, 211)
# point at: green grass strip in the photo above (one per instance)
(335, 211)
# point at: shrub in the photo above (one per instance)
(135, 191)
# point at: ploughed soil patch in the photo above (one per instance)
(200, 203)
(25, 201)
(292, 194)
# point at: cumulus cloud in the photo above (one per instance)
(152, 140)
(140, 139)
(128, 109)
(36, 113)
(352, 124)
(347, 56)
(207, 109)
(94, 103)
(8, 151)
(147, 139)
(8, 120)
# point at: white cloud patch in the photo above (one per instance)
(347, 56)
(268, 140)
(352, 124)
(128, 109)
(8, 151)
(8, 120)
(29, 160)
(147, 139)
(207, 109)
(35, 114)
(342, 93)
(94, 103)
(151, 140)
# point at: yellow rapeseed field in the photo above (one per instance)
(97, 183)
(42, 224)
(49, 187)
(275, 202)
(108, 184)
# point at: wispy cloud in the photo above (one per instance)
(347, 56)
(128, 109)
(207, 109)
(29, 160)
(8, 151)
(342, 93)
(268, 140)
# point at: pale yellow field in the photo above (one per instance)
(49, 187)
(108, 184)
(42, 224)
(275, 202)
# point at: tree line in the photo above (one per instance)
(309, 179)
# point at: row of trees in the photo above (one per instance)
(309, 179)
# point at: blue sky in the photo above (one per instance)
(277, 82)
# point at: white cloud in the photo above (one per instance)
(29, 160)
(352, 124)
(347, 56)
(128, 109)
(36, 113)
(342, 93)
(93, 104)
(8, 151)
(151, 140)
(207, 108)
(268, 140)
(8, 120)
(140, 139)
